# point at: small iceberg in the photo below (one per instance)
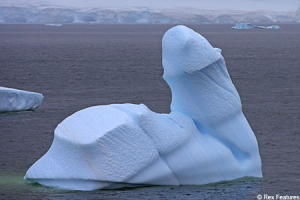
(273, 27)
(205, 139)
(244, 26)
(252, 26)
(12, 100)
(53, 24)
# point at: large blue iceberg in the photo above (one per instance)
(12, 100)
(204, 139)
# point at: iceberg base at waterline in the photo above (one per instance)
(12, 100)
(205, 139)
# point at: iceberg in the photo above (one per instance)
(246, 26)
(12, 100)
(205, 139)
(252, 26)
(53, 24)
(273, 27)
(243, 26)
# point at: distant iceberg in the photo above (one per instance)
(244, 26)
(205, 139)
(252, 26)
(273, 27)
(18, 100)
(53, 24)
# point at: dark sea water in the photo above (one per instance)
(78, 66)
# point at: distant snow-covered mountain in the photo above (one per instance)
(48, 14)
(225, 19)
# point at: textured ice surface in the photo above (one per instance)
(18, 100)
(204, 139)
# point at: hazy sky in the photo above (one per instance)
(244, 5)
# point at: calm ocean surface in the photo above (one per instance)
(78, 66)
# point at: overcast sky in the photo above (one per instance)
(241, 5)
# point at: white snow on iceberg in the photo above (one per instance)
(204, 139)
(18, 100)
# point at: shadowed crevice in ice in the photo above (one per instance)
(237, 152)
(205, 139)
